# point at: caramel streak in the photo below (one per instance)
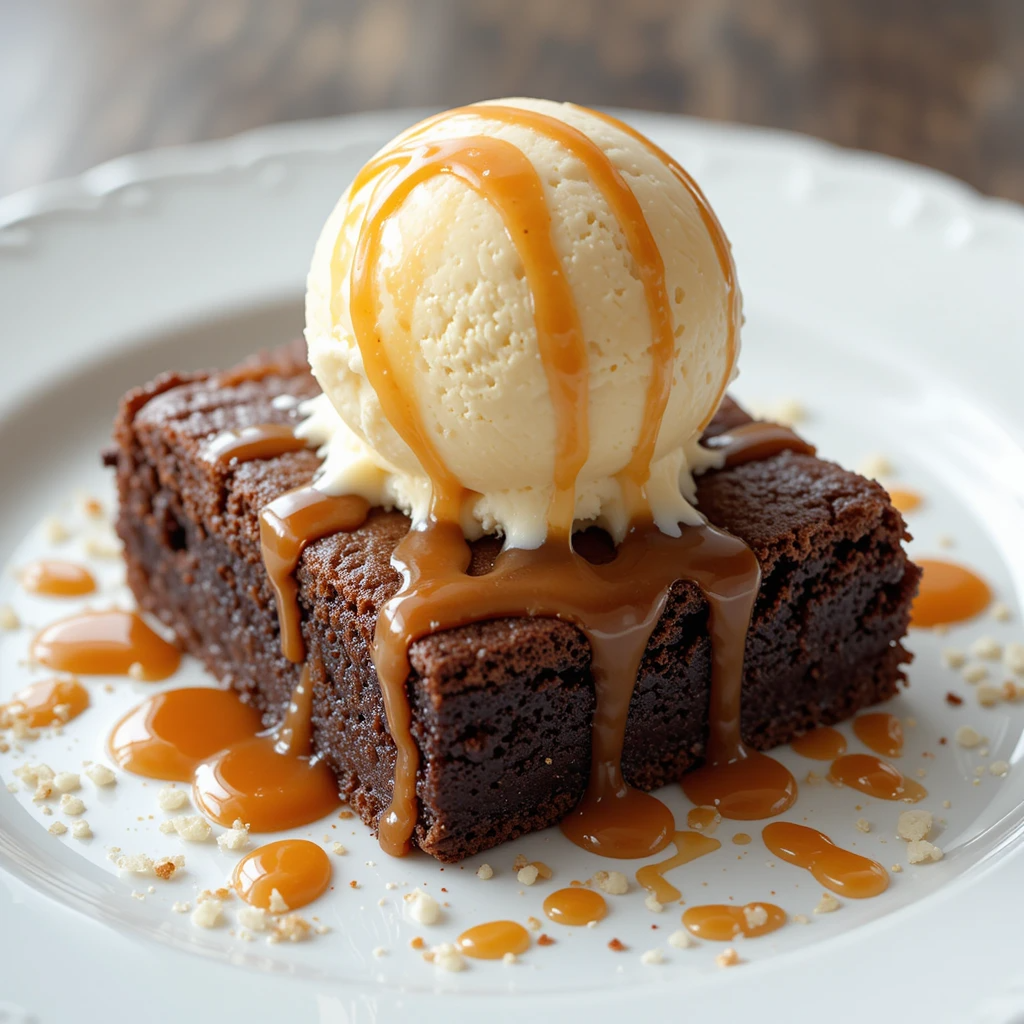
(723, 250)
(287, 525)
(259, 441)
(504, 176)
(650, 265)
(689, 846)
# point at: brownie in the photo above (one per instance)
(501, 710)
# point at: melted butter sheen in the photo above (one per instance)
(51, 578)
(874, 777)
(494, 940)
(949, 593)
(39, 703)
(299, 870)
(843, 871)
(171, 733)
(575, 906)
(105, 643)
(880, 732)
(821, 744)
(722, 922)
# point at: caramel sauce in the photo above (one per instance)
(948, 593)
(299, 870)
(750, 442)
(874, 777)
(880, 732)
(271, 781)
(615, 605)
(105, 643)
(689, 846)
(47, 702)
(821, 744)
(287, 525)
(259, 441)
(722, 922)
(494, 940)
(905, 500)
(843, 871)
(52, 578)
(575, 906)
(741, 839)
(171, 733)
(702, 819)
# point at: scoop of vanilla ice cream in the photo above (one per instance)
(456, 315)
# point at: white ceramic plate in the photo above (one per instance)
(884, 297)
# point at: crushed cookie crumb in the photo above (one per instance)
(921, 852)
(520, 862)
(953, 657)
(509, 958)
(527, 875)
(1001, 612)
(545, 940)
(71, 805)
(166, 867)
(652, 903)
(416, 942)
(827, 904)
(208, 914)
(54, 530)
(447, 957)
(652, 956)
(755, 915)
(58, 828)
(987, 648)
(9, 618)
(989, 696)
(277, 903)
(914, 825)
(181, 908)
(80, 829)
(975, 674)
(813, 778)
(484, 872)
(999, 768)
(67, 782)
(1013, 658)
(801, 919)
(100, 775)
(728, 958)
(291, 928)
(681, 939)
(171, 798)
(533, 924)
(863, 825)
(422, 907)
(616, 946)
(379, 951)
(338, 849)
(193, 828)
(967, 736)
(235, 838)
(614, 883)
(874, 467)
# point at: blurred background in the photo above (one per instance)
(940, 82)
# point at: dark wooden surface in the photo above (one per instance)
(940, 82)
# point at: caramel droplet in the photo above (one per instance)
(880, 732)
(842, 871)
(57, 579)
(39, 703)
(822, 744)
(299, 870)
(723, 923)
(905, 500)
(168, 735)
(949, 593)
(874, 777)
(106, 643)
(703, 819)
(494, 940)
(575, 906)
(747, 788)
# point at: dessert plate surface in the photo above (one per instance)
(882, 297)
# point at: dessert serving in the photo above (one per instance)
(509, 556)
